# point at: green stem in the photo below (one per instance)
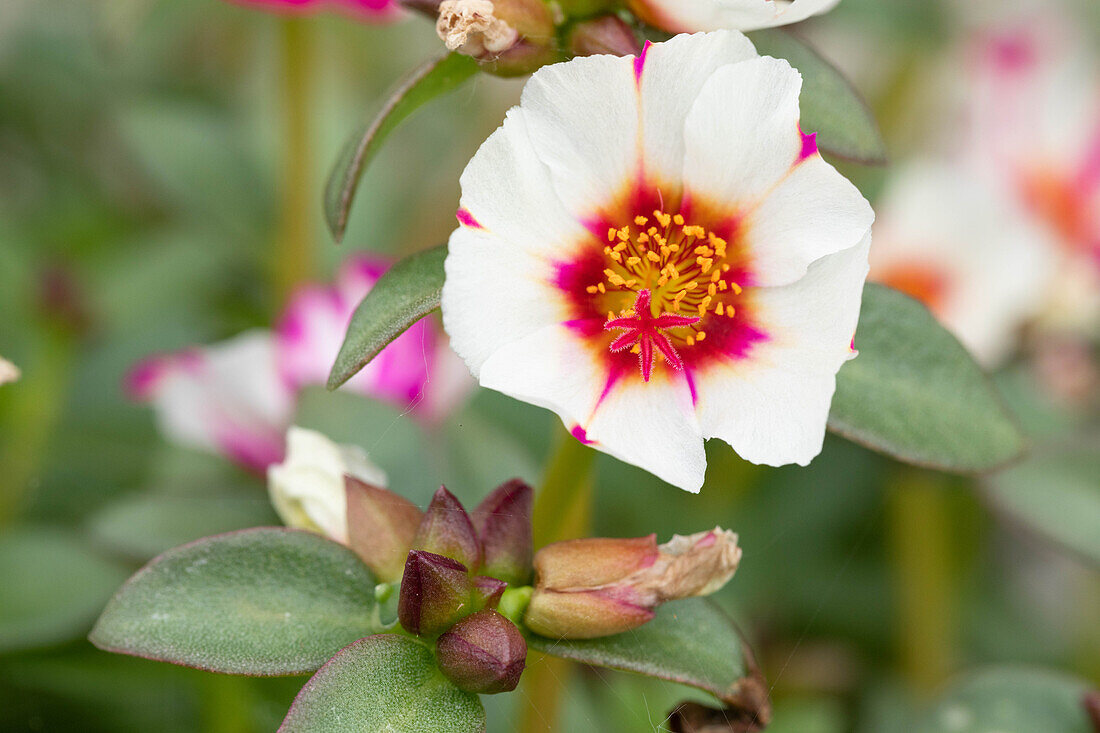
(563, 510)
(31, 409)
(920, 517)
(294, 258)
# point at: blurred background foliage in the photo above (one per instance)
(139, 160)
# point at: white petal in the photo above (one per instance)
(582, 119)
(742, 134)
(772, 405)
(686, 16)
(651, 425)
(814, 212)
(495, 293)
(672, 75)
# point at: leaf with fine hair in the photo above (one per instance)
(914, 392)
(431, 80)
(830, 106)
(409, 290)
(383, 683)
(267, 601)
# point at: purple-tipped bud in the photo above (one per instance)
(483, 653)
(596, 587)
(446, 530)
(487, 591)
(503, 522)
(606, 35)
(381, 527)
(436, 591)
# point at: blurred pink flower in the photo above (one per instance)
(372, 10)
(237, 397)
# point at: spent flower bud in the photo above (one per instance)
(381, 527)
(503, 522)
(446, 530)
(436, 592)
(596, 587)
(509, 37)
(483, 653)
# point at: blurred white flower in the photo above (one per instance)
(8, 372)
(967, 253)
(307, 488)
(689, 16)
(652, 248)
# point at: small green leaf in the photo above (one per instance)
(691, 642)
(383, 683)
(265, 601)
(830, 106)
(1057, 495)
(915, 393)
(409, 290)
(53, 586)
(148, 524)
(1011, 700)
(423, 85)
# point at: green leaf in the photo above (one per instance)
(1055, 494)
(409, 290)
(691, 642)
(148, 524)
(53, 586)
(829, 105)
(266, 601)
(916, 394)
(423, 85)
(384, 682)
(1011, 700)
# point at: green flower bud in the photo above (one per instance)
(483, 653)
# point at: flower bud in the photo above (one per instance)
(307, 488)
(596, 587)
(503, 522)
(605, 35)
(487, 591)
(483, 653)
(436, 591)
(381, 527)
(446, 530)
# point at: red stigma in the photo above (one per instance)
(644, 329)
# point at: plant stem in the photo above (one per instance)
(920, 533)
(294, 257)
(563, 510)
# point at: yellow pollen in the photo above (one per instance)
(640, 220)
(633, 260)
(592, 289)
(678, 219)
(712, 289)
(729, 311)
(718, 309)
(722, 284)
(643, 238)
(616, 256)
(662, 218)
(653, 256)
(601, 288)
(611, 234)
(616, 279)
(690, 341)
(700, 336)
(636, 349)
(736, 288)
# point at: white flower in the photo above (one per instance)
(681, 180)
(970, 255)
(307, 488)
(688, 16)
(8, 372)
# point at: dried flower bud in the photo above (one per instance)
(446, 530)
(509, 37)
(483, 653)
(606, 35)
(471, 27)
(381, 527)
(503, 522)
(8, 372)
(436, 592)
(597, 587)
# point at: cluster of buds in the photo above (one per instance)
(454, 568)
(515, 37)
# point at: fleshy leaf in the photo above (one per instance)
(53, 587)
(914, 392)
(267, 601)
(1055, 494)
(829, 105)
(383, 682)
(423, 85)
(409, 290)
(1010, 700)
(691, 642)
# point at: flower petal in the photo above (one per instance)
(686, 16)
(772, 406)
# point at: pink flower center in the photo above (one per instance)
(643, 331)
